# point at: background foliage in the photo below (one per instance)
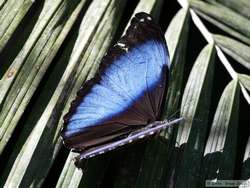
(48, 48)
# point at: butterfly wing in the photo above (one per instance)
(126, 94)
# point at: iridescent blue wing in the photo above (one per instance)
(127, 92)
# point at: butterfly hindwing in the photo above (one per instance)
(127, 92)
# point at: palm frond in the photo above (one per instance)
(50, 48)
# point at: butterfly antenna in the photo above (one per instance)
(171, 117)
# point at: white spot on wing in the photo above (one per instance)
(101, 152)
(142, 136)
(151, 132)
(121, 44)
(91, 155)
(142, 20)
(111, 148)
(121, 144)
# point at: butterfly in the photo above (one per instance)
(122, 103)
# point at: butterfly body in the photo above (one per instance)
(126, 94)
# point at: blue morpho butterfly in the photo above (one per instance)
(122, 102)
